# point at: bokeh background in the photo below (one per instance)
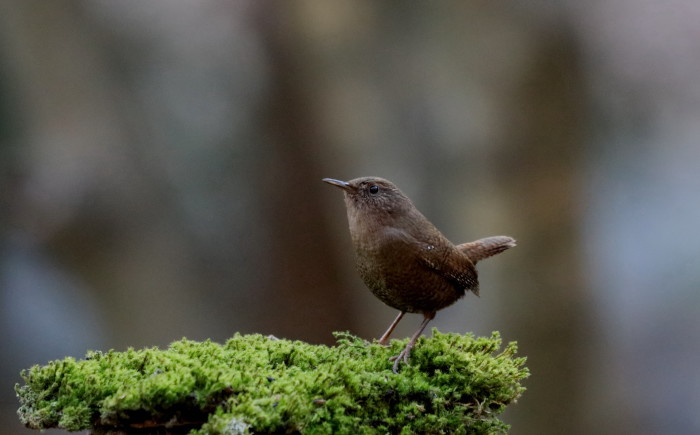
(160, 167)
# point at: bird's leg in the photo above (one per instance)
(384, 339)
(427, 317)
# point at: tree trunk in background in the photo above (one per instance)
(303, 295)
(547, 305)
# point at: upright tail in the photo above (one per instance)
(487, 247)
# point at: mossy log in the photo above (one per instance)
(257, 384)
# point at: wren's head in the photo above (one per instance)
(372, 197)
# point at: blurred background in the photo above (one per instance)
(160, 167)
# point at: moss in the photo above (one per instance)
(255, 384)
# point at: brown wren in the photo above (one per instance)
(403, 259)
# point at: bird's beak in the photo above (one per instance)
(342, 184)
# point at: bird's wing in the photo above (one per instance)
(444, 260)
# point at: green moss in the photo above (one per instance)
(455, 384)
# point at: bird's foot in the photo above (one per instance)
(403, 356)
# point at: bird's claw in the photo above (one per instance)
(398, 358)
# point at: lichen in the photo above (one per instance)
(257, 384)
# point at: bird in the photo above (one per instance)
(404, 259)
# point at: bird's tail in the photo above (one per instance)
(486, 247)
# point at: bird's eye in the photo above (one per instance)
(373, 189)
